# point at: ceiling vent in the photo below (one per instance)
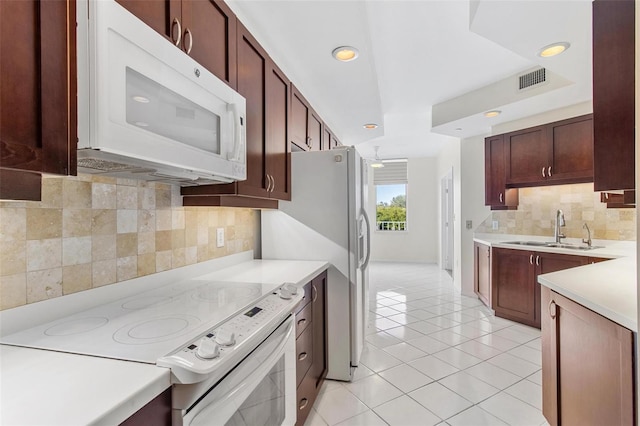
(531, 79)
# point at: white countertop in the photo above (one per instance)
(608, 288)
(53, 388)
(39, 387)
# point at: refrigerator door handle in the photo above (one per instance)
(365, 264)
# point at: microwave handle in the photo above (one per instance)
(237, 133)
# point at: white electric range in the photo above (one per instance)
(213, 335)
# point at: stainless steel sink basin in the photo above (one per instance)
(551, 244)
(528, 243)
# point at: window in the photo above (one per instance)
(391, 195)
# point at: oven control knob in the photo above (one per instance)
(208, 349)
(225, 337)
(285, 294)
(291, 288)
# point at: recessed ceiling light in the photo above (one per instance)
(458, 129)
(370, 126)
(141, 124)
(553, 49)
(493, 113)
(140, 99)
(345, 53)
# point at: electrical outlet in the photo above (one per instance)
(469, 224)
(494, 225)
(219, 237)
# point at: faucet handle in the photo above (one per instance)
(588, 240)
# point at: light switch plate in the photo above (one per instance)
(219, 237)
(469, 224)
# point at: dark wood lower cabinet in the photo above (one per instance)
(156, 413)
(311, 345)
(482, 272)
(514, 281)
(587, 366)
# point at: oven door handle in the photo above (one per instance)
(245, 381)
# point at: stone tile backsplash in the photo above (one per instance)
(580, 205)
(89, 231)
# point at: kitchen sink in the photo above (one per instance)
(553, 245)
(528, 243)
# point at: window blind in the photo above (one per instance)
(393, 172)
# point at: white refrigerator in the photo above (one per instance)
(326, 220)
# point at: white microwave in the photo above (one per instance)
(146, 110)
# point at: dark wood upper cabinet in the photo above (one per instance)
(496, 193)
(307, 132)
(266, 90)
(614, 94)
(204, 29)
(329, 140)
(555, 153)
(587, 366)
(38, 109)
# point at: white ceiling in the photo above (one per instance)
(455, 57)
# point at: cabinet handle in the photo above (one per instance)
(187, 49)
(543, 172)
(314, 290)
(309, 141)
(303, 403)
(552, 309)
(531, 259)
(302, 321)
(549, 171)
(501, 197)
(538, 260)
(273, 183)
(173, 24)
(302, 356)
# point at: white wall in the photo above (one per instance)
(472, 208)
(420, 242)
(449, 158)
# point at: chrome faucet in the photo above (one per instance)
(588, 240)
(559, 223)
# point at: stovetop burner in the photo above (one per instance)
(146, 326)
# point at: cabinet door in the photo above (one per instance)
(299, 119)
(527, 156)
(315, 131)
(572, 150)
(494, 171)
(613, 94)
(587, 366)
(552, 262)
(278, 151)
(326, 138)
(482, 272)
(164, 16)
(252, 65)
(209, 36)
(37, 92)
(512, 285)
(319, 323)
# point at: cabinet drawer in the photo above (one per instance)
(303, 319)
(304, 354)
(306, 396)
(306, 298)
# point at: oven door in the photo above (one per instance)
(260, 390)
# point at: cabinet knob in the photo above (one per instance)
(552, 309)
(187, 49)
(176, 23)
(543, 172)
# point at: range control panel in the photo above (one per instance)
(228, 343)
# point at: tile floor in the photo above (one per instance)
(433, 357)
